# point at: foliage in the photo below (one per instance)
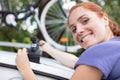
(23, 35)
(9, 34)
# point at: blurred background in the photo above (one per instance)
(50, 24)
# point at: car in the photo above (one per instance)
(47, 69)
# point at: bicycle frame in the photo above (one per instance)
(11, 18)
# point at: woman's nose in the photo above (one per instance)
(80, 29)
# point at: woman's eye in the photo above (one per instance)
(85, 21)
(73, 29)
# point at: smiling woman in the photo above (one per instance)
(98, 34)
(85, 30)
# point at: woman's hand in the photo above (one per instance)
(44, 46)
(22, 60)
(23, 65)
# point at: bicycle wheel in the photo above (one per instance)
(54, 27)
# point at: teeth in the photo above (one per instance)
(85, 38)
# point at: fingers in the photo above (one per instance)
(25, 50)
(22, 61)
(22, 51)
(21, 56)
(42, 43)
(19, 51)
(44, 46)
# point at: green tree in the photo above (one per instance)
(23, 35)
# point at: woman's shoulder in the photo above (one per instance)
(102, 56)
(106, 51)
(108, 46)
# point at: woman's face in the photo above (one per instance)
(87, 28)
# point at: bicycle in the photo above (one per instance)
(48, 23)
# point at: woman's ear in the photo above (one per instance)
(106, 20)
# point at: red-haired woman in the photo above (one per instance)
(98, 34)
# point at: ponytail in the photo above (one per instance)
(114, 28)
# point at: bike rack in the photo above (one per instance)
(48, 69)
(12, 44)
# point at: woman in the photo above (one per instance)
(99, 35)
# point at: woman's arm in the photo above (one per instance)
(23, 65)
(66, 59)
(84, 72)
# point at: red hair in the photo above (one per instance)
(100, 12)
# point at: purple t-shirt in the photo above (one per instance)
(104, 56)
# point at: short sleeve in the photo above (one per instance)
(102, 56)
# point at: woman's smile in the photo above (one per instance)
(85, 38)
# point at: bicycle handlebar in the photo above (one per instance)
(19, 16)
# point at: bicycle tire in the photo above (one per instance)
(47, 34)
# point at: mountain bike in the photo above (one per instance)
(51, 21)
